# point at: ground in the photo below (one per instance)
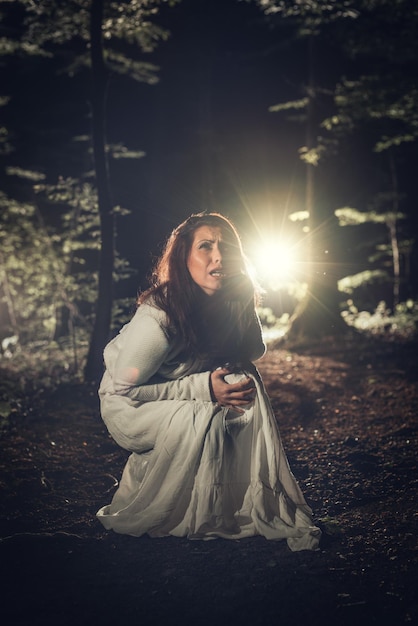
(347, 412)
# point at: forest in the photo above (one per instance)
(298, 120)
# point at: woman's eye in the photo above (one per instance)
(205, 245)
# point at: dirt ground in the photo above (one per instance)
(348, 414)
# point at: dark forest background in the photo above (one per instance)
(119, 119)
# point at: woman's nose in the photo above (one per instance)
(217, 255)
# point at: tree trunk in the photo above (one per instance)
(318, 314)
(102, 323)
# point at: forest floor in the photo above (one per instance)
(348, 415)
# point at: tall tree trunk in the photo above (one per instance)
(102, 323)
(318, 314)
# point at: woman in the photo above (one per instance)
(181, 393)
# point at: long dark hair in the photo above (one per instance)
(214, 326)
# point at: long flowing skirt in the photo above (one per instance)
(212, 473)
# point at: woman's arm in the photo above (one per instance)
(191, 387)
(145, 347)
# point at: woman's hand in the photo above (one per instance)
(234, 395)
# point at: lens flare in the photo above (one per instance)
(275, 262)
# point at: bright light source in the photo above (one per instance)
(275, 262)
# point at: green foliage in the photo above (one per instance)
(35, 284)
(386, 96)
(312, 156)
(138, 70)
(348, 216)
(311, 12)
(274, 327)
(367, 277)
(48, 26)
(41, 365)
(379, 35)
(48, 279)
(57, 262)
(403, 321)
(26, 174)
(123, 309)
(299, 216)
(47, 273)
(291, 105)
(387, 253)
(79, 235)
(119, 151)
(387, 102)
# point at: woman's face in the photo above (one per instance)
(211, 259)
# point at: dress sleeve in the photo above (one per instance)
(145, 347)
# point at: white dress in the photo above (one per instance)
(197, 469)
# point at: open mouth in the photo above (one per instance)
(217, 274)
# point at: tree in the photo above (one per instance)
(43, 278)
(379, 95)
(319, 311)
(103, 318)
(381, 102)
(104, 36)
(385, 253)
